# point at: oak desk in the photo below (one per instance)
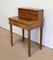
(28, 19)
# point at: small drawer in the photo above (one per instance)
(23, 12)
(32, 14)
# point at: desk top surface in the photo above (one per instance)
(25, 21)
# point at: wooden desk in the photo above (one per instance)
(28, 19)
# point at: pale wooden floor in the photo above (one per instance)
(19, 50)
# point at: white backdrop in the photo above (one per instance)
(9, 8)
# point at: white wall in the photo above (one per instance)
(9, 8)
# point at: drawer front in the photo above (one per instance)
(17, 24)
(13, 22)
(23, 13)
(32, 14)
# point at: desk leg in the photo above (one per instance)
(41, 30)
(11, 34)
(29, 44)
(23, 34)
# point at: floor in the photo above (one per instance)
(19, 50)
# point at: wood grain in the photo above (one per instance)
(28, 19)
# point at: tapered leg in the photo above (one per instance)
(41, 30)
(23, 34)
(11, 34)
(29, 44)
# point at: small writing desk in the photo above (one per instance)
(28, 19)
